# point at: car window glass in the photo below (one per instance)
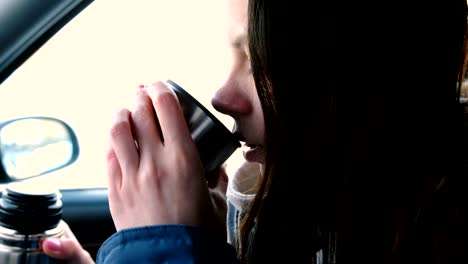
(92, 67)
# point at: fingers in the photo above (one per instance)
(169, 113)
(167, 174)
(144, 125)
(113, 169)
(114, 173)
(123, 145)
(67, 249)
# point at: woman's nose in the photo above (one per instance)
(230, 100)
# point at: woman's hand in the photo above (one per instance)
(67, 248)
(154, 170)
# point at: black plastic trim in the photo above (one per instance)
(87, 213)
(7, 70)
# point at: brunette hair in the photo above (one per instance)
(364, 157)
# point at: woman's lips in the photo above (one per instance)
(251, 152)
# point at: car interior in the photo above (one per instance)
(31, 153)
(85, 210)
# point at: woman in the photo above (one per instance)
(351, 109)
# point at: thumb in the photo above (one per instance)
(67, 249)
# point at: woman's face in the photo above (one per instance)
(238, 97)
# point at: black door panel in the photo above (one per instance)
(87, 213)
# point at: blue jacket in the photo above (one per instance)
(168, 244)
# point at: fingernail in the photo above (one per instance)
(54, 244)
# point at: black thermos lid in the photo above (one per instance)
(30, 211)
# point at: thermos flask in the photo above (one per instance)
(27, 217)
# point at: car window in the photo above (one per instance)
(92, 67)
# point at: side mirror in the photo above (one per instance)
(32, 146)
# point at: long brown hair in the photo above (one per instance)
(363, 132)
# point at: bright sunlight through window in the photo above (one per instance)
(93, 65)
